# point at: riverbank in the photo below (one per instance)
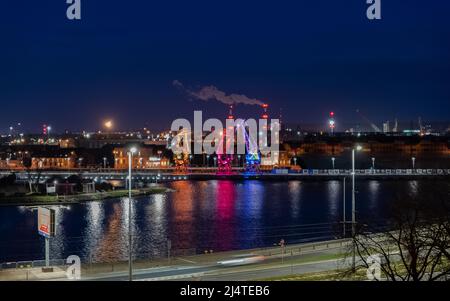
(38, 200)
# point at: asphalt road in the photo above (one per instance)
(272, 267)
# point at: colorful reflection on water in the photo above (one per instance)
(199, 215)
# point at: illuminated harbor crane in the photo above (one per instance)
(253, 155)
(182, 159)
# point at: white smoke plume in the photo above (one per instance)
(212, 93)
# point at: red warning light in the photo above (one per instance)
(331, 114)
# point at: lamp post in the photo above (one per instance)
(343, 206)
(104, 162)
(353, 206)
(373, 163)
(130, 240)
(413, 159)
(332, 161)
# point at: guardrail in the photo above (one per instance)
(31, 264)
(382, 172)
(150, 176)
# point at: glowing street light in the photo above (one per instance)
(332, 161)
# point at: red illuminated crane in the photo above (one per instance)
(224, 160)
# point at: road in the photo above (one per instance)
(296, 259)
(271, 267)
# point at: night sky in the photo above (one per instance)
(306, 57)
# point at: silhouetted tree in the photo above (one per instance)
(413, 242)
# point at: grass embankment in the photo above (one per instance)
(359, 275)
(39, 199)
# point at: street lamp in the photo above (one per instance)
(413, 159)
(295, 161)
(357, 148)
(343, 207)
(104, 162)
(332, 161)
(132, 151)
(207, 159)
(373, 162)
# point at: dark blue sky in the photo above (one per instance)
(306, 57)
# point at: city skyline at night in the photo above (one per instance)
(304, 59)
(224, 149)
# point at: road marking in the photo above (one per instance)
(182, 259)
(173, 277)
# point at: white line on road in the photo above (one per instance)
(182, 259)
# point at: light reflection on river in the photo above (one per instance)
(199, 215)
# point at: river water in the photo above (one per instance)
(213, 215)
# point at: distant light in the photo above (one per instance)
(133, 150)
(358, 147)
(331, 114)
(108, 124)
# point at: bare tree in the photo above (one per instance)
(413, 241)
(28, 165)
